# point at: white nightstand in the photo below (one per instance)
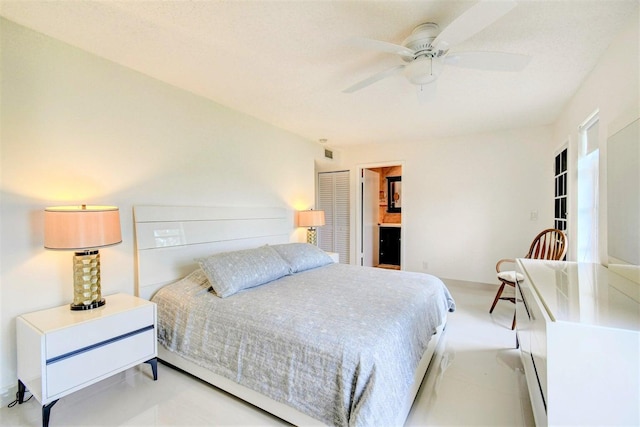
(62, 351)
(335, 256)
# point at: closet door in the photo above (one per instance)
(333, 199)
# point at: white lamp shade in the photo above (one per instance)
(81, 227)
(310, 218)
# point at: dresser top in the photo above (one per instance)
(584, 293)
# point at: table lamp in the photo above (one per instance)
(83, 229)
(311, 219)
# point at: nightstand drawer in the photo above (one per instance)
(92, 364)
(87, 333)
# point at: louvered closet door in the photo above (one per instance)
(333, 198)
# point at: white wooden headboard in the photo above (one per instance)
(169, 238)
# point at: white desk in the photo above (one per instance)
(579, 336)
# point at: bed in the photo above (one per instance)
(281, 325)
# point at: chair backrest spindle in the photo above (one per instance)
(550, 244)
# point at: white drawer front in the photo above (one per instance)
(85, 334)
(87, 367)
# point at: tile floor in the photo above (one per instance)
(476, 380)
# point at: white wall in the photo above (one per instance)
(467, 200)
(612, 88)
(79, 129)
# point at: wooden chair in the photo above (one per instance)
(550, 244)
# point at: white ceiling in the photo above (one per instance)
(287, 62)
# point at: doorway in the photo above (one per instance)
(379, 226)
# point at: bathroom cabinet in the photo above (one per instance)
(390, 245)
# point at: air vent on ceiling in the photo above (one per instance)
(328, 154)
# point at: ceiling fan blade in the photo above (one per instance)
(490, 61)
(474, 20)
(381, 46)
(374, 78)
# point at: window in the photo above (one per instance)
(560, 199)
(588, 172)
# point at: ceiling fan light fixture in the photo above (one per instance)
(423, 70)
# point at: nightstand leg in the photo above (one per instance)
(46, 411)
(154, 367)
(21, 390)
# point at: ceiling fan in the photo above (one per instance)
(426, 50)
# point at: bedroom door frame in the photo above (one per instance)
(359, 210)
(369, 202)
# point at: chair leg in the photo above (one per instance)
(495, 301)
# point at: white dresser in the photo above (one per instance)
(578, 327)
(62, 351)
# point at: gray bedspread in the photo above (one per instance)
(339, 343)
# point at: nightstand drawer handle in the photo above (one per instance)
(98, 345)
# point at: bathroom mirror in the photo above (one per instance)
(394, 194)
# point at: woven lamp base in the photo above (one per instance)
(312, 236)
(86, 281)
